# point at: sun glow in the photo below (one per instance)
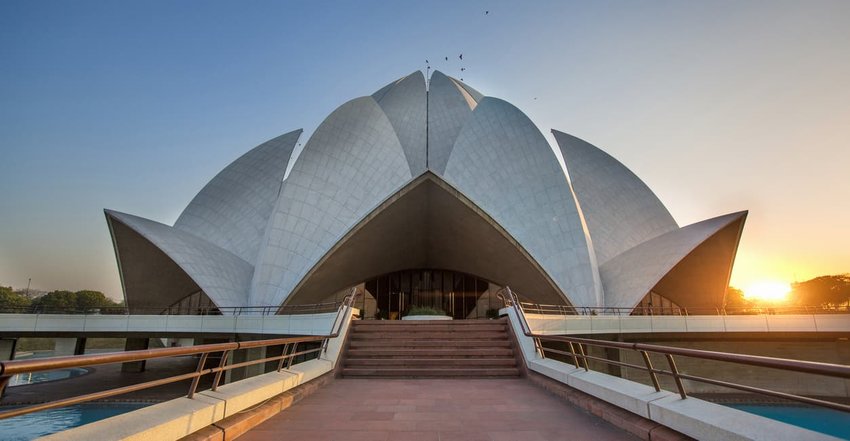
(768, 291)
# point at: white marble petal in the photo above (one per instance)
(448, 111)
(352, 163)
(628, 277)
(233, 209)
(504, 165)
(404, 103)
(620, 210)
(222, 275)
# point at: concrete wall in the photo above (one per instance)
(69, 346)
(301, 324)
(614, 324)
(7, 348)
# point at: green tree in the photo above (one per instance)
(831, 292)
(67, 301)
(56, 301)
(10, 300)
(736, 302)
(90, 300)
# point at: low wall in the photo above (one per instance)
(626, 324)
(163, 325)
(835, 351)
(691, 416)
(237, 425)
(175, 419)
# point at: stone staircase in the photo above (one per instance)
(429, 349)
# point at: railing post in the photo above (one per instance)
(4, 381)
(221, 364)
(197, 378)
(292, 355)
(283, 357)
(675, 371)
(538, 345)
(652, 375)
(575, 357)
(583, 357)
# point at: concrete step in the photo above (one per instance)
(436, 349)
(429, 335)
(428, 343)
(430, 353)
(379, 327)
(430, 372)
(469, 322)
(431, 362)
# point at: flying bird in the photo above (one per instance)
(461, 56)
(486, 12)
(447, 58)
(462, 69)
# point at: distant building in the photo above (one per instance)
(425, 198)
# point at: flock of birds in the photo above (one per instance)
(460, 57)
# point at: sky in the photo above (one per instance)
(718, 106)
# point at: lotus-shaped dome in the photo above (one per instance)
(425, 175)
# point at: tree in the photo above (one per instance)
(828, 291)
(56, 301)
(67, 301)
(90, 300)
(12, 301)
(735, 300)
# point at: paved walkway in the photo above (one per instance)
(434, 410)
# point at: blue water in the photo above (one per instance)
(831, 422)
(34, 425)
(40, 377)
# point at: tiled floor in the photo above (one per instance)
(434, 410)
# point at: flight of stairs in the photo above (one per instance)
(429, 349)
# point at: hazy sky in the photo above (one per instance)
(717, 106)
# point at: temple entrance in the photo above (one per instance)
(434, 292)
(427, 226)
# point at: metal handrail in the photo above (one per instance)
(311, 308)
(552, 309)
(580, 360)
(289, 352)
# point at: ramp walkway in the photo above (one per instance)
(432, 380)
(434, 410)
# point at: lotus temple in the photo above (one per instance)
(425, 193)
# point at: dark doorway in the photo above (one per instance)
(458, 295)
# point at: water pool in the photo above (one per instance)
(34, 425)
(831, 422)
(40, 377)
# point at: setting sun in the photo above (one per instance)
(768, 291)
